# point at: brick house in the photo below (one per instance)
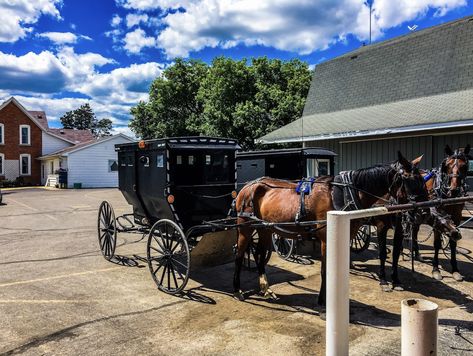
(25, 136)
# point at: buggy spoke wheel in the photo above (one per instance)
(362, 239)
(284, 247)
(168, 256)
(107, 230)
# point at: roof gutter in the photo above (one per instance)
(377, 132)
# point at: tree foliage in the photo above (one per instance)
(83, 118)
(240, 99)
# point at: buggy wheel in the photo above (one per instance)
(107, 230)
(362, 239)
(168, 256)
(284, 247)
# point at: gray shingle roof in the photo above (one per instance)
(359, 90)
(450, 109)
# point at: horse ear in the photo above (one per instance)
(415, 162)
(448, 150)
(466, 150)
(403, 161)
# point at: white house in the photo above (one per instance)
(91, 164)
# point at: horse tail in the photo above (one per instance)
(245, 199)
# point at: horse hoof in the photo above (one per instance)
(323, 315)
(420, 258)
(386, 288)
(437, 275)
(398, 287)
(239, 296)
(457, 276)
(270, 295)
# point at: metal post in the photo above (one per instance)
(419, 324)
(338, 269)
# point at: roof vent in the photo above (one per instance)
(354, 57)
(62, 131)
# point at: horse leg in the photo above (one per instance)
(435, 262)
(244, 237)
(383, 230)
(453, 261)
(262, 249)
(415, 232)
(322, 292)
(397, 249)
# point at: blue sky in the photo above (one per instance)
(58, 54)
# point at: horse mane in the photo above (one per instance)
(374, 178)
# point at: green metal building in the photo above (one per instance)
(413, 93)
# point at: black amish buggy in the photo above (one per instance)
(174, 185)
(289, 163)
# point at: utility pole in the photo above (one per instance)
(369, 4)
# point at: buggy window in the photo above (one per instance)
(218, 168)
(202, 167)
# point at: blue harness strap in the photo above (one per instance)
(428, 176)
(305, 186)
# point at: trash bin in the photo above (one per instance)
(77, 185)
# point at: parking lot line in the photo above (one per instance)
(47, 301)
(57, 277)
(31, 208)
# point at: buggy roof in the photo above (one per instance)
(191, 142)
(309, 152)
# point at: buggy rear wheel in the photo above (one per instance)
(168, 256)
(284, 247)
(362, 239)
(107, 230)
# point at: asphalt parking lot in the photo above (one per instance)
(58, 295)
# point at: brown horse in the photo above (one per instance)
(446, 182)
(449, 183)
(277, 201)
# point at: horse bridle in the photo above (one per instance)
(446, 178)
(398, 183)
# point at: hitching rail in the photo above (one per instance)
(338, 267)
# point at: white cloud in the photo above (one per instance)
(17, 16)
(47, 72)
(116, 20)
(136, 40)
(152, 4)
(135, 19)
(36, 78)
(61, 38)
(301, 26)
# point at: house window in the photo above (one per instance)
(2, 164)
(112, 165)
(2, 130)
(25, 164)
(25, 138)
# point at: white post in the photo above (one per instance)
(419, 320)
(338, 272)
(338, 269)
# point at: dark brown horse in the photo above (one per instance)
(277, 201)
(447, 182)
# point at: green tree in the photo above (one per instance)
(83, 118)
(172, 106)
(239, 99)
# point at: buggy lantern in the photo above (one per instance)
(142, 144)
(170, 199)
(234, 194)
